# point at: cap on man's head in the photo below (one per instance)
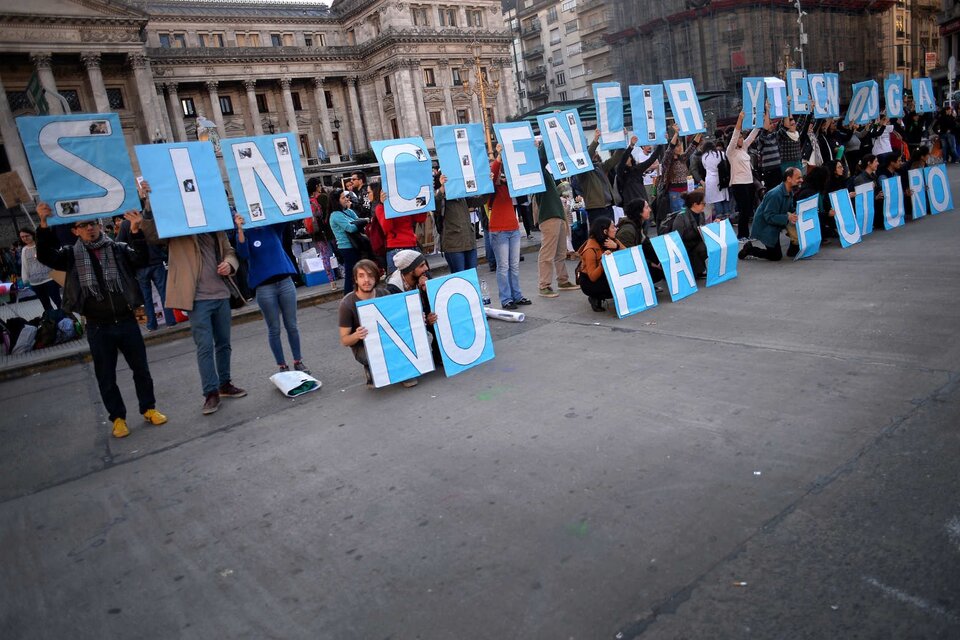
(408, 260)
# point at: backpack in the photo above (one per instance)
(723, 172)
(666, 225)
(46, 334)
(378, 239)
(14, 327)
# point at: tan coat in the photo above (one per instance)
(184, 263)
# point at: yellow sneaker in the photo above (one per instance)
(154, 417)
(120, 428)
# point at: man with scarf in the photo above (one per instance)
(101, 285)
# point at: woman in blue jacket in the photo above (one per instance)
(343, 221)
(269, 272)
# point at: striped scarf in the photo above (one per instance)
(108, 263)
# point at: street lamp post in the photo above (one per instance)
(803, 34)
(481, 90)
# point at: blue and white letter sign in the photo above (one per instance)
(80, 164)
(846, 219)
(463, 159)
(809, 235)
(799, 91)
(462, 331)
(685, 106)
(649, 114)
(753, 99)
(865, 104)
(407, 175)
(609, 104)
(893, 206)
(938, 189)
(893, 95)
(521, 159)
(721, 243)
(266, 178)
(864, 207)
(676, 265)
(629, 279)
(918, 195)
(187, 192)
(565, 144)
(397, 344)
(923, 95)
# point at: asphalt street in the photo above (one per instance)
(774, 457)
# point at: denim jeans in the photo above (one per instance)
(350, 257)
(948, 143)
(676, 200)
(210, 326)
(106, 341)
(506, 246)
(276, 299)
(157, 274)
(489, 250)
(461, 260)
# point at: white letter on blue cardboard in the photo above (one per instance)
(397, 344)
(629, 279)
(685, 106)
(520, 158)
(462, 331)
(407, 175)
(809, 235)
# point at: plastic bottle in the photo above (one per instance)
(485, 292)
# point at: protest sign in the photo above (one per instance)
(845, 217)
(809, 235)
(799, 91)
(630, 282)
(938, 189)
(918, 193)
(462, 331)
(564, 142)
(80, 165)
(397, 342)
(893, 95)
(685, 106)
(463, 160)
(406, 172)
(521, 159)
(753, 99)
(721, 242)
(863, 201)
(677, 269)
(609, 105)
(266, 179)
(187, 194)
(865, 103)
(923, 99)
(649, 114)
(776, 97)
(893, 205)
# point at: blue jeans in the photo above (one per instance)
(461, 260)
(210, 326)
(350, 258)
(489, 250)
(273, 300)
(506, 246)
(949, 144)
(676, 201)
(157, 274)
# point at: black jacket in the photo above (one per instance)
(113, 306)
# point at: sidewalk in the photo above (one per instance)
(61, 355)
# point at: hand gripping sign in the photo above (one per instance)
(677, 269)
(187, 193)
(80, 165)
(398, 345)
(407, 174)
(893, 205)
(266, 178)
(463, 160)
(630, 282)
(462, 331)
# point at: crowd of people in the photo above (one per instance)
(752, 178)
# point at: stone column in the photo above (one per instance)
(214, 91)
(145, 89)
(407, 117)
(371, 109)
(163, 114)
(91, 60)
(44, 71)
(384, 119)
(450, 116)
(176, 113)
(417, 77)
(323, 115)
(253, 112)
(11, 141)
(475, 103)
(356, 123)
(288, 108)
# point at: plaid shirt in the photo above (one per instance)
(769, 149)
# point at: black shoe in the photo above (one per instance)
(596, 304)
(509, 305)
(522, 301)
(793, 250)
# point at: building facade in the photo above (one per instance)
(718, 42)
(337, 77)
(560, 47)
(911, 38)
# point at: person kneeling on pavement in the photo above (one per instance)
(101, 285)
(590, 276)
(688, 224)
(772, 217)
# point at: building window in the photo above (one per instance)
(574, 48)
(319, 40)
(561, 79)
(558, 58)
(18, 101)
(555, 36)
(328, 99)
(173, 41)
(295, 98)
(420, 17)
(308, 41)
(448, 16)
(552, 14)
(577, 71)
(436, 119)
(429, 78)
(568, 5)
(73, 99)
(226, 105)
(248, 39)
(571, 26)
(474, 18)
(562, 96)
(115, 99)
(262, 103)
(276, 39)
(188, 108)
(387, 89)
(462, 117)
(457, 80)
(211, 40)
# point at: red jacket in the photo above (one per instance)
(503, 215)
(399, 231)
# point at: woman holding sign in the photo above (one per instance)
(270, 271)
(591, 278)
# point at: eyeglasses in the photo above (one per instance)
(88, 223)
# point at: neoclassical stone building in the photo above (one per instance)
(339, 76)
